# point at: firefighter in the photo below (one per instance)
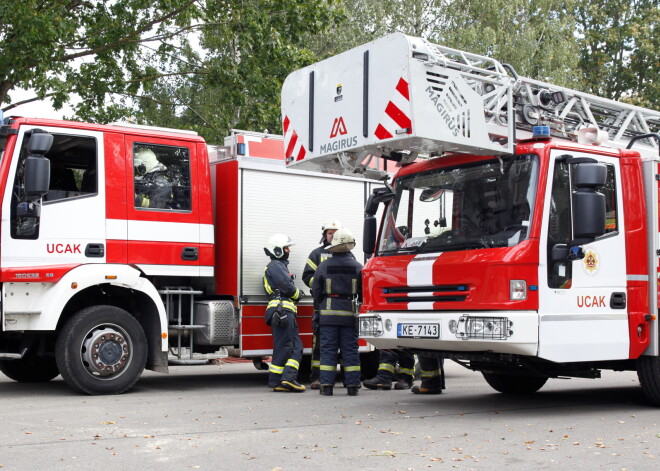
(315, 258)
(281, 316)
(153, 188)
(336, 290)
(387, 369)
(433, 375)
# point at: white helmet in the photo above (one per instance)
(145, 161)
(342, 241)
(276, 244)
(329, 224)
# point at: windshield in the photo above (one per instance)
(473, 206)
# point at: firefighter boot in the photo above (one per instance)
(326, 390)
(352, 390)
(426, 390)
(402, 384)
(316, 384)
(289, 386)
(378, 383)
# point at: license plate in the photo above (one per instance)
(418, 331)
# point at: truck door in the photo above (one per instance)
(163, 223)
(582, 305)
(67, 227)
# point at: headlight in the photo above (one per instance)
(487, 328)
(517, 290)
(371, 326)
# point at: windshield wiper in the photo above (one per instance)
(404, 250)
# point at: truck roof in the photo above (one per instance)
(122, 127)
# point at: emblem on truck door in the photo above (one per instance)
(591, 262)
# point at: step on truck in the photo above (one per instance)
(129, 247)
(520, 234)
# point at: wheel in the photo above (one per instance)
(514, 384)
(369, 362)
(101, 350)
(648, 372)
(30, 369)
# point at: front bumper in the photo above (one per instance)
(513, 332)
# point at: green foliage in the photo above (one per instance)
(90, 48)
(213, 65)
(620, 49)
(250, 47)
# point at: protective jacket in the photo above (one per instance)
(315, 258)
(279, 287)
(287, 346)
(336, 288)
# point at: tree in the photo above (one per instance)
(620, 49)
(234, 79)
(534, 36)
(90, 48)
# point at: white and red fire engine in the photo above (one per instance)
(520, 236)
(127, 246)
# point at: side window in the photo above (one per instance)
(609, 190)
(560, 229)
(161, 177)
(73, 166)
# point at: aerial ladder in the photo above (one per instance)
(401, 97)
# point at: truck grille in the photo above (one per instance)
(437, 293)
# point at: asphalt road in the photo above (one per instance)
(223, 417)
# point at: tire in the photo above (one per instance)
(101, 350)
(514, 384)
(30, 369)
(648, 372)
(369, 362)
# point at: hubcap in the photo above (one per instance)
(106, 351)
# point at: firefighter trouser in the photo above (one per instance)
(287, 352)
(433, 372)
(387, 366)
(344, 338)
(316, 351)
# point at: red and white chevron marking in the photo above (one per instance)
(293, 147)
(395, 119)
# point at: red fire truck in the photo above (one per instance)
(520, 236)
(125, 247)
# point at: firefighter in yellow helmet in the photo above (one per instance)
(281, 316)
(153, 188)
(337, 290)
(315, 258)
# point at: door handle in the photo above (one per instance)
(190, 253)
(618, 301)
(94, 250)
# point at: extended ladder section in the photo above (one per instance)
(399, 97)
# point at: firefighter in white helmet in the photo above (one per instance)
(153, 188)
(281, 316)
(315, 258)
(337, 290)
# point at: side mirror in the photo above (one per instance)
(378, 195)
(564, 253)
(37, 167)
(36, 176)
(588, 203)
(369, 235)
(39, 143)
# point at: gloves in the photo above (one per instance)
(280, 318)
